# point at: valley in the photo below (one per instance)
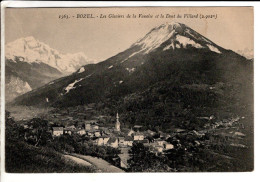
(214, 146)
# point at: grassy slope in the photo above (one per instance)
(24, 158)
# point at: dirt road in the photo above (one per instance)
(78, 160)
(99, 163)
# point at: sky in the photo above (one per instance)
(100, 38)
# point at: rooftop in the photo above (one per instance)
(111, 140)
(138, 126)
(57, 128)
(128, 138)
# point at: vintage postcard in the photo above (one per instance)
(129, 89)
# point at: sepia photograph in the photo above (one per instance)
(129, 89)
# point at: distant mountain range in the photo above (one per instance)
(31, 64)
(171, 52)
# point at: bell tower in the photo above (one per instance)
(117, 125)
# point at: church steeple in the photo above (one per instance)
(117, 126)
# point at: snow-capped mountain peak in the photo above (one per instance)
(180, 36)
(31, 50)
(158, 35)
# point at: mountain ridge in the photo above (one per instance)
(169, 50)
(31, 50)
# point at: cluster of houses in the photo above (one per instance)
(224, 123)
(114, 137)
(91, 129)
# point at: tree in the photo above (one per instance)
(12, 130)
(142, 160)
(40, 131)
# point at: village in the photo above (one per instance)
(116, 137)
(100, 133)
(96, 130)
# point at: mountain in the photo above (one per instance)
(31, 64)
(15, 86)
(31, 51)
(171, 70)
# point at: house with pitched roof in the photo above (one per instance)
(95, 127)
(102, 140)
(138, 136)
(69, 129)
(128, 141)
(159, 142)
(57, 131)
(97, 133)
(168, 146)
(87, 126)
(81, 132)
